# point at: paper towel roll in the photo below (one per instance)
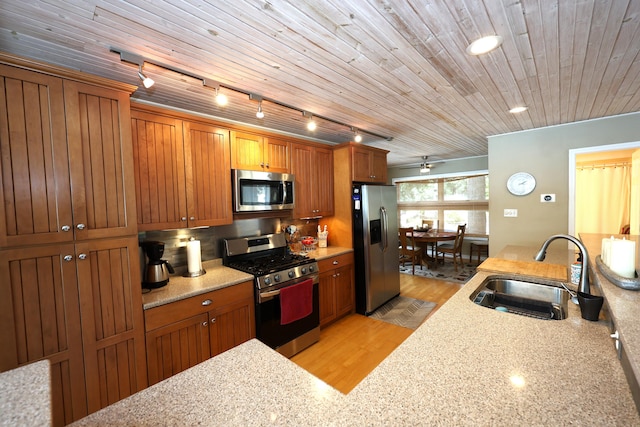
(194, 261)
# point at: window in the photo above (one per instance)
(450, 200)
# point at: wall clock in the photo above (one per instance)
(521, 183)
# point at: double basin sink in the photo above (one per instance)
(536, 298)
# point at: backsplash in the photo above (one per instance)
(211, 238)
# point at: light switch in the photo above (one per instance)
(511, 213)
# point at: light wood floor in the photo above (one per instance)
(353, 346)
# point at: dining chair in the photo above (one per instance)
(409, 252)
(431, 224)
(455, 249)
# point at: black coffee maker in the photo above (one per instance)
(156, 273)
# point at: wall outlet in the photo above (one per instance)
(511, 213)
(547, 198)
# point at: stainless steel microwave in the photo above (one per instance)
(262, 191)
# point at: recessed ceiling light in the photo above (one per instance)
(484, 45)
(516, 110)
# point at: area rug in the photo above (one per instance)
(404, 311)
(443, 272)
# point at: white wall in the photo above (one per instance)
(544, 153)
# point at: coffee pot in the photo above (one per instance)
(156, 273)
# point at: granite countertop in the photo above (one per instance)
(217, 276)
(25, 395)
(466, 365)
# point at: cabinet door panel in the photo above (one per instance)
(345, 291)
(101, 159)
(379, 167)
(33, 160)
(232, 325)
(323, 185)
(302, 167)
(112, 321)
(208, 175)
(276, 155)
(40, 314)
(176, 347)
(361, 160)
(326, 291)
(246, 151)
(158, 154)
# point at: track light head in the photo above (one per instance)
(356, 135)
(259, 113)
(146, 81)
(221, 98)
(311, 125)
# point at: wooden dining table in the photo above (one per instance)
(431, 238)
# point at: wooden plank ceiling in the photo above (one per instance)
(396, 68)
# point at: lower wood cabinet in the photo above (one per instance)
(184, 333)
(336, 288)
(79, 306)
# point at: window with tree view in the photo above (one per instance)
(450, 201)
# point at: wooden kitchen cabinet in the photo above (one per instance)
(256, 152)
(313, 170)
(369, 165)
(69, 268)
(66, 160)
(186, 332)
(182, 172)
(336, 288)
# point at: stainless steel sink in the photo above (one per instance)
(544, 299)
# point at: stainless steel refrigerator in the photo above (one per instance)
(375, 244)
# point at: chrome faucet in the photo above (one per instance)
(584, 272)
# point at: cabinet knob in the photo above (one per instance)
(335, 262)
(204, 323)
(80, 226)
(67, 258)
(82, 256)
(207, 302)
(213, 320)
(267, 165)
(261, 165)
(184, 218)
(338, 274)
(192, 218)
(65, 228)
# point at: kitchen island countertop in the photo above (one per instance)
(466, 365)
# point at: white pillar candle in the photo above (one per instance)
(194, 261)
(605, 252)
(622, 257)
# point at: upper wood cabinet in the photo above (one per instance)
(65, 158)
(255, 152)
(182, 172)
(369, 165)
(313, 170)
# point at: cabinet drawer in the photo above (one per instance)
(169, 313)
(335, 262)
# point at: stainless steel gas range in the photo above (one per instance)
(286, 290)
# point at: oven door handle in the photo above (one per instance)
(269, 294)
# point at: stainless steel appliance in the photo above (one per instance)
(375, 245)
(277, 271)
(262, 191)
(156, 273)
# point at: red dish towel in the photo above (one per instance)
(296, 302)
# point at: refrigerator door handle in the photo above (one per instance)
(385, 228)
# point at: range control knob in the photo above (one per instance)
(304, 270)
(311, 268)
(291, 274)
(267, 281)
(276, 277)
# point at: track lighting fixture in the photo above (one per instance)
(259, 113)
(311, 124)
(146, 81)
(221, 98)
(356, 135)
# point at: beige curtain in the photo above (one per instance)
(603, 198)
